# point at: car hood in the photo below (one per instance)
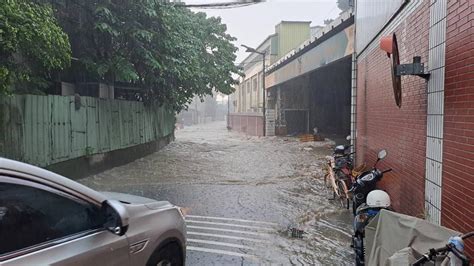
(134, 200)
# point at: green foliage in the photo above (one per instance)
(169, 52)
(31, 45)
(199, 55)
(344, 5)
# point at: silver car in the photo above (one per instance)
(49, 219)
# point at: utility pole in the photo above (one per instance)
(263, 54)
(264, 96)
(228, 111)
(197, 112)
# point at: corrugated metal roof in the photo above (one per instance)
(333, 26)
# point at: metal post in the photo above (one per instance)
(264, 95)
(196, 107)
(228, 111)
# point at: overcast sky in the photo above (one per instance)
(252, 24)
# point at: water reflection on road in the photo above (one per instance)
(243, 193)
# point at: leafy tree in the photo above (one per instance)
(31, 45)
(169, 51)
(345, 5)
(199, 55)
(328, 21)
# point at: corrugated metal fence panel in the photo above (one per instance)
(61, 128)
(44, 111)
(159, 125)
(115, 126)
(125, 125)
(28, 127)
(150, 119)
(146, 127)
(104, 120)
(43, 130)
(78, 128)
(92, 124)
(11, 117)
(156, 122)
(139, 123)
(136, 124)
(171, 118)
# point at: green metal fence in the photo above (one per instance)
(43, 130)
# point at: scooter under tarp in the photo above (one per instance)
(396, 239)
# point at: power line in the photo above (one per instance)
(222, 5)
(227, 7)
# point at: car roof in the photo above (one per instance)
(49, 177)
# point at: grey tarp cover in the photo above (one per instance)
(391, 233)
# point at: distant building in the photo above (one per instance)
(316, 30)
(201, 111)
(247, 99)
(310, 86)
(287, 36)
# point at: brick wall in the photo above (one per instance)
(401, 131)
(458, 150)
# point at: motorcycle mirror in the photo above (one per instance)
(348, 137)
(382, 154)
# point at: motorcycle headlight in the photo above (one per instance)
(368, 177)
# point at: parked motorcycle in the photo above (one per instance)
(453, 251)
(366, 182)
(367, 202)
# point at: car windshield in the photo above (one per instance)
(252, 129)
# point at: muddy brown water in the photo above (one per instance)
(260, 186)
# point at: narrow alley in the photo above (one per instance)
(244, 194)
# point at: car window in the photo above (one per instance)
(30, 216)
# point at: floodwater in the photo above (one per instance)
(244, 193)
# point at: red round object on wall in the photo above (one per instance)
(389, 44)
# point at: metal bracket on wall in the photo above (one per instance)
(416, 68)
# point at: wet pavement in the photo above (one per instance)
(243, 194)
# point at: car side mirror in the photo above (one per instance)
(116, 217)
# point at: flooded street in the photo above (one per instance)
(243, 194)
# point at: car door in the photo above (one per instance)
(42, 225)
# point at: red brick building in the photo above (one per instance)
(430, 138)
